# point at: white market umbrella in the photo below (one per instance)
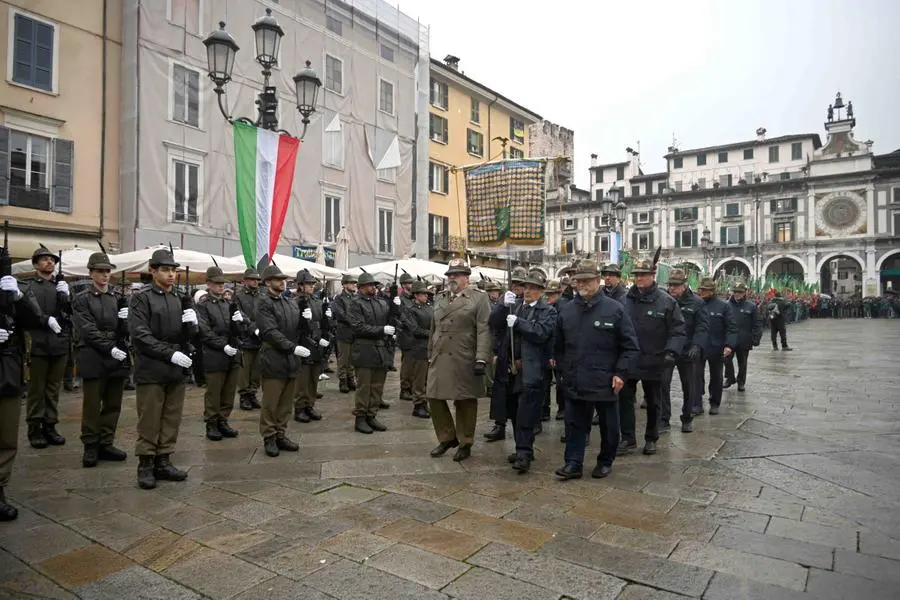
(342, 250)
(290, 266)
(320, 255)
(74, 263)
(414, 266)
(197, 262)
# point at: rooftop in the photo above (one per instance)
(450, 71)
(817, 143)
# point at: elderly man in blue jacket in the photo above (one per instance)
(596, 350)
(720, 343)
(533, 325)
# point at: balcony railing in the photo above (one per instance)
(25, 197)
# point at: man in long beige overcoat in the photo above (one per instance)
(458, 350)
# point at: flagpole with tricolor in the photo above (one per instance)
(264, 173)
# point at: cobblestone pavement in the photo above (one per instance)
(791, 492)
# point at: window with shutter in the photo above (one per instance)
(677, 214)
(33, 52)
(63, 158)
(4, 165)
(650, 242)
(598, 195)
(599, 175)
(723, 236)
(648, 188)
(445, 232)
(635, 190)
(620, 173)
(634, 241)
(741, 234)
(678, 239)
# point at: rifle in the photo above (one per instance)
(122, 302)
(7, 302)
(304, 326)
(187, 302)
(63, 301)
(393, 310)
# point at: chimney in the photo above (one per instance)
(452, 62)
(635, 160)
(593, 160)
(761, 134)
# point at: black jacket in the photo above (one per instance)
(214, 315)
(594, 341)
(313, 328)
(19, 316)
(416, 321)
(749, 325)
(722, 328)
(405, 339)
(340, 309)
(96, 318)
(278, 319)
(367, 316)
(154, 323)
(43, 341)
(617, 293)
(660, 329)
(696, 321)
(245, 298)
(534, 331)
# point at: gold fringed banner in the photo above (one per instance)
(505, 203)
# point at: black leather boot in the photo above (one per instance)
(362, 425)
(300, 415)
(145, 477)
(36, 436)
(271, 447)
(462, 453)
(245, 403)
(442, 448)
(421, 411)
(254, 403)
(212, 431)
(497, 433)
(284, 443)
(352, 383)
(227, 430)
(344, 386)
(91, 455)
(313, 414)
(53, 437)
(375, 424)
(166, 471)
(8, 512)
(111, 453)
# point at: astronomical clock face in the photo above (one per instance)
(840, 214)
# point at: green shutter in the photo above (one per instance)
(634, 241)
(723, 236)
(741, 234)
(677, 239)
(695, 212)
(772, 206)
(793, 204)
(650, 244)
(677, 214)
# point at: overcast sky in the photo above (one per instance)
(709, 72)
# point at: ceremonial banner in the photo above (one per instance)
(505, 202)
(264, 172)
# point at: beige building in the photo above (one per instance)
(59, 123)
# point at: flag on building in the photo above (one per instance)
(264, 173)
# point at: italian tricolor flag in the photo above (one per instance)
(264, 164)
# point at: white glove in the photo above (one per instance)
(307, 314)
(328, 312)
(62, 288)
(509, 298)
(4, 336)
(189, 315)
(182, 360)
(118, 354)
(396, 301)
(256, 332)
(324, 343)
(53, 324)
(389, 330)
(229, 350)
(123, 313)
(8, 283)
(237, 317)
(511, 320)
(301, 351)
(395, 337)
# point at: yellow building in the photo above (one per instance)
(59, 123)
(468, 124)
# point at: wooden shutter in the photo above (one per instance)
(63, 158)
(445, 232)
(4, 165)
(741, 234)
(431, 231)
(723, 236)
(677, 214)
(650, 214)
(650, 245)
(695, 213)
(634, 241)
(634, 218)
(793, 204)
(445, 172)
(677, 238)
(773, 206)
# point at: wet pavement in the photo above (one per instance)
(790, 492)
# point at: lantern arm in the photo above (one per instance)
(220, 94)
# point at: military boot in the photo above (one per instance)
(254, 403)
(271, 447)
(497, 433)
(344, 386)
(8, 512)
(111, 453)
(53, 436)
(421, 411)
(284, 443)
(91, 455)
(313, 414)
(405, 394)
(226, 429)
(146, 478)
(375, 424)
(245, 402)
(166, 471)
(442, 448)
(352, 383)
(36, 436)
(362, 425)
(300, 415)
(212, 431)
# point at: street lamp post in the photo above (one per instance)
(614, 210)
(708, 250)
(267, 33)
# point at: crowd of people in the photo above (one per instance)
(587, 336)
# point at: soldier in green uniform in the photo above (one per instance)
(278, 319)
(416, 319)
(308, 381)
(221, 355)
(248, 379)
(156, 324)
(102, 361)
(458, 351)
(49, 352)
(340, 308)
(368, 316)
(17, 308)
(404, 339)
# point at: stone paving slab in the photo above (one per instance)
(794, 484)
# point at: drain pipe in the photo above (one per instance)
(103, 103)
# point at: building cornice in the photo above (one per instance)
(467, 82)
(817, 143)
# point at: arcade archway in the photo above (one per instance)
(841, 275)
(785, 266)
(889, 269)
(734, 268)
